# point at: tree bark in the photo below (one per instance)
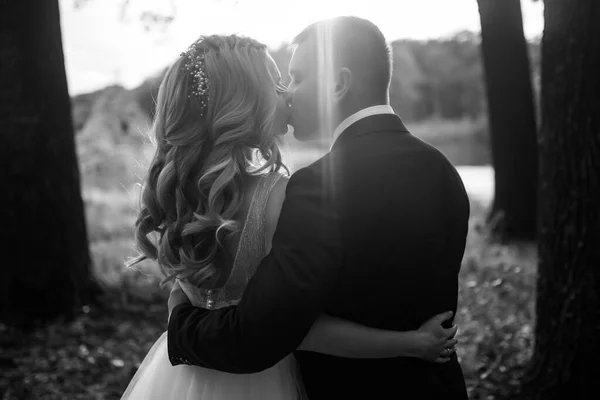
(565, 361)
(45, 258)
(511, 119)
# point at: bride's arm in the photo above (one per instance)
(342, 338)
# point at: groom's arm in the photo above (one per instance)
(282, 300)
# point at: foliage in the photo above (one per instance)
(432, 79)
(114, 148)
(92, 357)
(463, 141)
(496, 311)
(95, 356)
(435, 79)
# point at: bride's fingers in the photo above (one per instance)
(442, 360)
(450, 343)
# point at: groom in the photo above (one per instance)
(374, 232)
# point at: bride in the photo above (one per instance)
(209, 212)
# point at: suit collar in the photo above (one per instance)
(364, 113)
(370, 124)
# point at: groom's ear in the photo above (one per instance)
(343, 83)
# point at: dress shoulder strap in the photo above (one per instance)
(252, 246)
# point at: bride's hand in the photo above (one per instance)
(176, 297)
(436, 343)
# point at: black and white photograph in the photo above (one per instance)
(300, 199)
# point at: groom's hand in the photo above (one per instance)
(176, 297)
(437, 343)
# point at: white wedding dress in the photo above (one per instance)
(156, 378)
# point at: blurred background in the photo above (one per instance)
(473, 93)
(116, 52)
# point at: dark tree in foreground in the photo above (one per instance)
(511, 118)
(565, 361)
(45, 259)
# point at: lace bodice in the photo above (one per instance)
(250, 251)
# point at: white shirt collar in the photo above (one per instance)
(364, 113)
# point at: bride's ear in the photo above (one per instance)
(343, 83)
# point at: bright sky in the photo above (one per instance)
(101, 48)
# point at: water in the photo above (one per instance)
(478, 180)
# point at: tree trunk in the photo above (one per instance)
(565, 363)
(45, 259)
(511, 119)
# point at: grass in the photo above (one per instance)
(496, 311)
(442, 130)
(464, 141)
(95, 356)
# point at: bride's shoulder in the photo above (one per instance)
(274, 203)
(277, 194)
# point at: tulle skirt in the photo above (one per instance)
(156, 378)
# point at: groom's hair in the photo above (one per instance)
(354, 42)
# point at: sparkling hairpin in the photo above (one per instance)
(194, 64)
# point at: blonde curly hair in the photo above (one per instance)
(204, 152)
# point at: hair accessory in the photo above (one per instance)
(194, 64)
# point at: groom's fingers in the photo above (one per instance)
(446, 354)
(440, 318)
(450, 332)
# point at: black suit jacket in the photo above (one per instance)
(373, 232)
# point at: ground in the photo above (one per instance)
(95, 356)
